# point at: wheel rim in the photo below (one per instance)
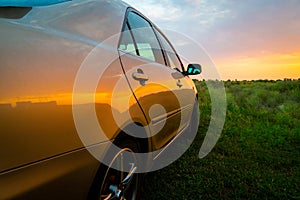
(120, 184)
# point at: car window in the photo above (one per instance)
(127, 43)
(174, 61)
(146, 43)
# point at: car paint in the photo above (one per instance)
(41, 53)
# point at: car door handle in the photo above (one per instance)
(179, 84)
(140, 76)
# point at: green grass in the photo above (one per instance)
(257, 156)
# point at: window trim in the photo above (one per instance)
(133, 38)
(172, 47)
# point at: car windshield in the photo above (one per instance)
(29, 3)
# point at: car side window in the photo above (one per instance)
(127, 43)
(173, 60)
(142, 33)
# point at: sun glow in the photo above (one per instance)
(271, 66)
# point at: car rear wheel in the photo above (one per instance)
(121, 184)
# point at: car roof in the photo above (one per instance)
(93, 19)
(29, 3)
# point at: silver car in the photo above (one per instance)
(83, 85)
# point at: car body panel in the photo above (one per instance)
(83, 20)
(53, 178)
(37, 76)
(164, 94)
(161, 94)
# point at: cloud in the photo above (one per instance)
(184, 15)
(165, 10)
(255, 26)
(230, 28)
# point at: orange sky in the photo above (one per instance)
(264, 66)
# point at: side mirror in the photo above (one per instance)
(193, 69)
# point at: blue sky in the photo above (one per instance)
(254, 31)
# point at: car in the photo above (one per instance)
(84, 84)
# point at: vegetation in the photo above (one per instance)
(257, 156)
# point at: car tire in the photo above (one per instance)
(112, 182)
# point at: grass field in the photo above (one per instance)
(257, 156)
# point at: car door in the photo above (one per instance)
(154, 85)
(185, 91)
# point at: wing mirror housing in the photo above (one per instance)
(193, 69)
